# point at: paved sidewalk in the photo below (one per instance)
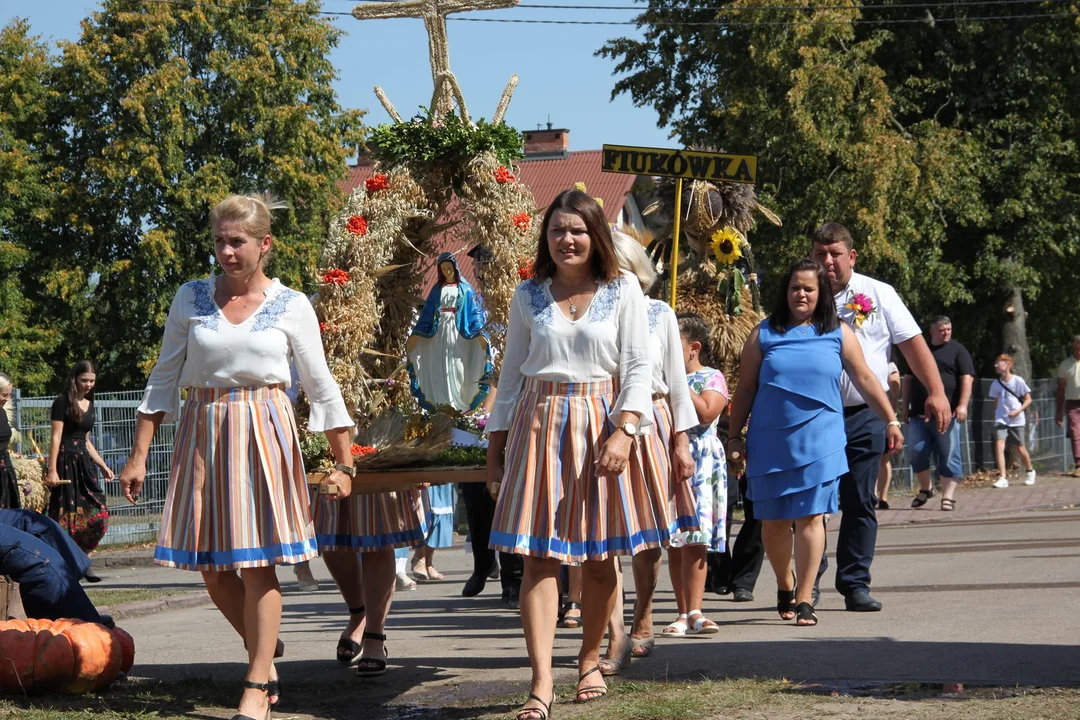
(1049, 491)
(982, 600)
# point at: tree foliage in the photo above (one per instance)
(25, 196)
(949, 149)
(164, 110)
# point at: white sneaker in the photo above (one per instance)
(1029, 477)
(1001, 483)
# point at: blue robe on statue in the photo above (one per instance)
(450, 358)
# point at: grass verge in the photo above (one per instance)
(102, 597)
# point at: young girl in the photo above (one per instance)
(688, 550)
(1011, 397)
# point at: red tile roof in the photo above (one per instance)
(546, 178)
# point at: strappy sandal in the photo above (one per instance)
(570, 623)
(922, 498)
(677, 628)
(265, 687)
(541, 713)
(614, 666)
(642, 647)
(785, 601)
(948, 504)
(702, 626)
(279, 649)
(273, 689)
(600, 690)
(805, 615)
(373, 667)
(348, 650)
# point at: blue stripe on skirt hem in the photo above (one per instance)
(267, 555)
(409, 538)
(564, 550)
(686, 523)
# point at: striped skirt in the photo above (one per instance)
(367, 523)
(238, 494)
(671, 500)
(551, 503)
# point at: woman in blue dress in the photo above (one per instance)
(789, 385)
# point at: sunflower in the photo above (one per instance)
(725, 245)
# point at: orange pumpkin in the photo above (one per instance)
(127, 649)
(33, 658)
(97, 657)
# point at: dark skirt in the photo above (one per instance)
(10, 494)
(79, 506)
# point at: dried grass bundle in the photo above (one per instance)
(399, 445)
(30, 473)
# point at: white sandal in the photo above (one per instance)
(699, 627)
(677, 628)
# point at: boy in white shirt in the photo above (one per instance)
(1012, 396)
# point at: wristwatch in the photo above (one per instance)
(630, 429)
(349, 470)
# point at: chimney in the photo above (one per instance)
(545, 144)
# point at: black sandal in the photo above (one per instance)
(254, 686)
(372, 667)
(785, 600)
(805, 611)
(544, 711)
(600, 690)
(948, 504)
(348, 650)
(279, 649)
(922, 498)
(273, 689)
(570, 623)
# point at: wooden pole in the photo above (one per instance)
(675, 239)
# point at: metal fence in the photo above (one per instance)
(1049, 448)
(115, 427)
(113, 435)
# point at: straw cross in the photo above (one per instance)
(433, 13)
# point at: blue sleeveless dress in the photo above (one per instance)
(795, 444)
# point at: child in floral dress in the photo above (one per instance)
(687, 556)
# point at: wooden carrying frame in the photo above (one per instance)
(379, 481)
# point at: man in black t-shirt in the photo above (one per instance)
(957, 375)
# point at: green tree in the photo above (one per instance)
(167, 109)
(927, 140)
(25, 199)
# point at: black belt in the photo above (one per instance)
(850, 410)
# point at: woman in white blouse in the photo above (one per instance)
(574, 388)
(666, 460)
(237, 496)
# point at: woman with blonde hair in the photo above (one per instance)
(573, 391)
(666, 460)
(10, 495)
(238, 498)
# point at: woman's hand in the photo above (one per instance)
(495, 477)
(52, 479)
(131, 479)
(613, 457)
(684, 465)
(341, 481)
(736, 450)
(106, 471)
(895, 439)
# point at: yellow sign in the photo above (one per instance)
(692, 164)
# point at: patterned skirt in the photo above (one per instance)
(79, 506)
(671, 500)
(238, 495)
(709, 486)
(367, 523)
(551, 503)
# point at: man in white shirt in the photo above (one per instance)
(880, 319)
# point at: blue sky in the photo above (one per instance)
(559, 77)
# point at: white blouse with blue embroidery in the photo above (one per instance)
(609, 341)
(203, 349)
(668, 367)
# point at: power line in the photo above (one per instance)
(766, 8)
(736, 23)
(671, 23)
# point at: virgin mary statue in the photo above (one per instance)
(449, 352)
